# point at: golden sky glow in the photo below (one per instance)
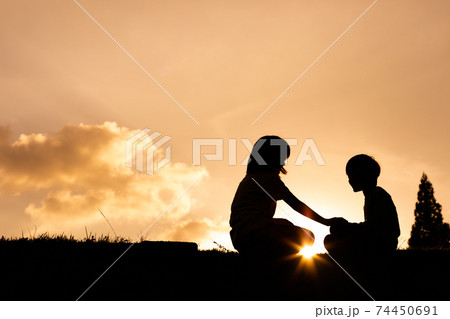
(70, 97)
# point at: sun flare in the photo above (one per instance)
(307, 252)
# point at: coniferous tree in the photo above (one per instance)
(429, 229)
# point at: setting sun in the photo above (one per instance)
(307, 252)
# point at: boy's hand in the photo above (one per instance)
(337, 221)
(338, 226)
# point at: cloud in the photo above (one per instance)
(81, 169)
(203, 231)
(192, 230)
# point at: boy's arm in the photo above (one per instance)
(303, 209)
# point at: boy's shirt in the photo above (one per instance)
(380, 214)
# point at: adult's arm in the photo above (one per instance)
(305, 210)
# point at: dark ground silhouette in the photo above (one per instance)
(52, 270)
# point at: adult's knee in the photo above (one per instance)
(308, 237)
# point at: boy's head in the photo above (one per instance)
(362, 171)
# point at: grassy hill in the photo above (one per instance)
(63, 269)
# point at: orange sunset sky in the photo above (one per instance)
(70, 98)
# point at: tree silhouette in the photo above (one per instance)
(429, 230)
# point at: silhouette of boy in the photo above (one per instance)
(254, 230)
(377, 235)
